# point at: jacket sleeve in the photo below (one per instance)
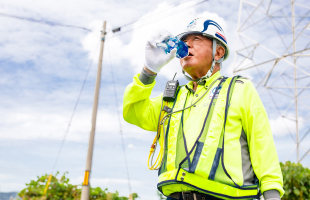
(262, 149)
(138, 108)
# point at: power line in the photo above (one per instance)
(119, 119)
(200, 2)
(132, 22)
(73, 112)
(49, 23)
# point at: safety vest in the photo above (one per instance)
(196, 167)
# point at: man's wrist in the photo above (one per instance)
(146, 76)
(149, 71)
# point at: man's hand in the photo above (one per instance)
(156, 58)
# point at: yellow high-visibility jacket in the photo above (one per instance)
(249, 147)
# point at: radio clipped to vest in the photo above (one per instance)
(171, 90)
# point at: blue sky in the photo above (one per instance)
(43, 68)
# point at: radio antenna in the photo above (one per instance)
(174, 75)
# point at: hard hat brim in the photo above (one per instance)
(183, 35)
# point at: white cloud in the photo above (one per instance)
(35, 124)
(5, 176)
(142, 30)
(283, 126)
(40, 87)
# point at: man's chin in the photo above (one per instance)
(187, 68)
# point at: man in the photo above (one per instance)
(217, 138)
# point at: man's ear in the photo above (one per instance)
(219, 53)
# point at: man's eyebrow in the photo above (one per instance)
(199, 35)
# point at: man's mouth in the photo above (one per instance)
(189, 54)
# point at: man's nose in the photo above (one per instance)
(189, 44)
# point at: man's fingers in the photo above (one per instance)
(160, 36)
(173, 52)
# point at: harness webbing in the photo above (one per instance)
(203, 127)
(228, 98)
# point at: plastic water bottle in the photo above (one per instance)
(174, 42)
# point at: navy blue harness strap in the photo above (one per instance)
(196, 157)
(204, 123)
(229, 91)
(215, 163)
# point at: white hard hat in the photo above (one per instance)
(207, 28)
(212, 30)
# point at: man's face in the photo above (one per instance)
(200, 54)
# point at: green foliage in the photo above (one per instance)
(134, 195)
(97, 193)
(296, 181)
(60, 188)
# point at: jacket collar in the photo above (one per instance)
(206, 81)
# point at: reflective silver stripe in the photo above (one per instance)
(247, 169)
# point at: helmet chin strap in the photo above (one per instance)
(209, 73)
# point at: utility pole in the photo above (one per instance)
(86, 185)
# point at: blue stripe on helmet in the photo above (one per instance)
(217, 35)
(211, 22)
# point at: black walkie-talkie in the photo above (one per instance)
(171, 89)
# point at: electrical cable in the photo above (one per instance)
(160, 155)
(119, 119)
(162, 124)
(166, 116)
(74, 109)
(156, 19)
(49, 23)
(152, 15)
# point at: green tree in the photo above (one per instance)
(60, 188)
(296, 181)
